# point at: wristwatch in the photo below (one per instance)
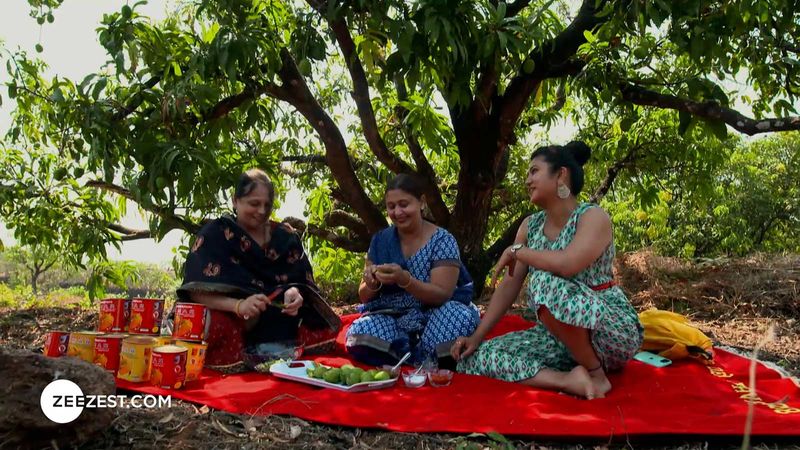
(514, 249)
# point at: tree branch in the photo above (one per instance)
(432, 193)
(295, 92)
(552, 58)
(360, 245)
(129, 234)
(305, 159)
(611, 175)
(339, 218)
(709, 109)
(507, 238)
(136, 100)
(515, 7)
(228, 104)
(360, 92)
(47, 265)
(165, 213)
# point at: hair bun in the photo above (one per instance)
(580, 151)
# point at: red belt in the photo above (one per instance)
(604, 286)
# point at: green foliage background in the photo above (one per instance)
(468, 88)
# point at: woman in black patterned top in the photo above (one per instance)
(254, 277)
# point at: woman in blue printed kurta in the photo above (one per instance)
(416, 293)
(586, 324)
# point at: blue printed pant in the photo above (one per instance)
(378, 338)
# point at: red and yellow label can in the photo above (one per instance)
(163, 340)
(81, 345)
(168, 368)
(106, 351)
(56, 343)
(134, 358)
(146, 316)
(195, 358)
(190, 322)
(114, 314)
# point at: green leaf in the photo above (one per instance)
(685, 121)
(497, 437)
(626, 123)
(537, 98)
(718, 128)
(98, 87)
(501, 11)
(58, 95)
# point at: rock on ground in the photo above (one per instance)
(25, 375)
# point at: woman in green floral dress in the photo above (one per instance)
(586, 324)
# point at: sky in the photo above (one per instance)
(71, 50)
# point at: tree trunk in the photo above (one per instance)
(35, 274)
(477, 140)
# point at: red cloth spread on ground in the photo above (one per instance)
(685, 398)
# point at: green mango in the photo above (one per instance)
(333, 376)
(382, 375)
(353, 378)
(367, 377)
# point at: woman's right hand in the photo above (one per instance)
(369, 277)
(464, 346)
(252, 306)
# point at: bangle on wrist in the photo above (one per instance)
(410, 279)
(238, 303)
(380, 285)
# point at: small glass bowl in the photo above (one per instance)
(440, 377)
(413, 379)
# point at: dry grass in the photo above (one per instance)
(735, 301)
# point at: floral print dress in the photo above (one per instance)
(587, 300)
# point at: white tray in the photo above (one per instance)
(282, 370)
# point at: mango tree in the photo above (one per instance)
(337, 96)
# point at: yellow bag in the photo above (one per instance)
(670, 335)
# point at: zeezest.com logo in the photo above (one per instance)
(63, 401)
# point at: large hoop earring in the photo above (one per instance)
(563, 191)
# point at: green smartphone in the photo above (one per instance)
(652, 359)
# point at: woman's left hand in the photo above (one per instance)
(392, 274)
(506, 259)
(292, 301)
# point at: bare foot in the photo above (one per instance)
(578, 382)
(601, 383)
